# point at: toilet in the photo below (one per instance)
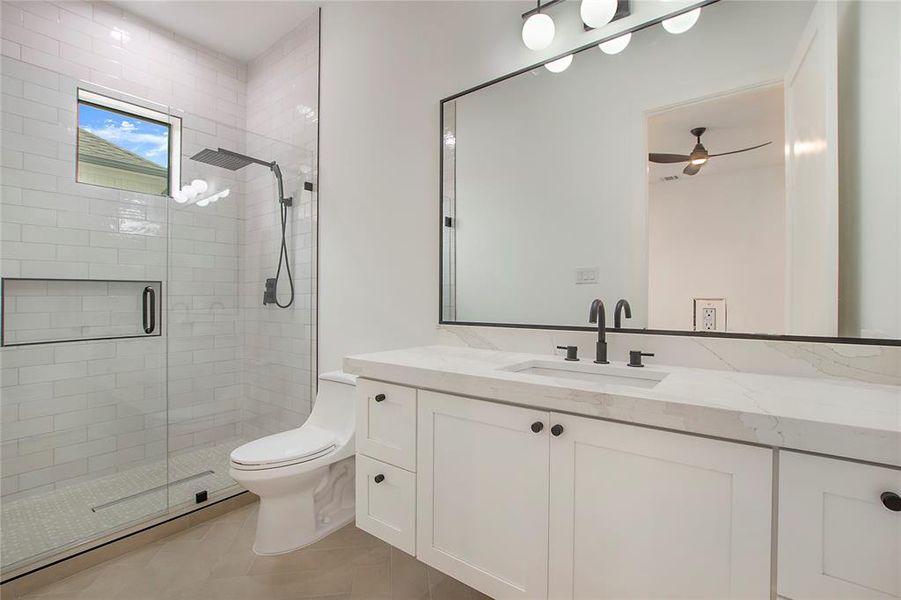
(304, 477)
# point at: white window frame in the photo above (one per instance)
(141, 108)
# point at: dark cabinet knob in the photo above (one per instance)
(891, 501)
(379, 478)
(379, 397)
(557, 430)
(537, 426)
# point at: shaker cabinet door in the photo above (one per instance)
(482, 494)
(839, 529)
(642, 513)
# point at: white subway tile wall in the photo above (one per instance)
(280, 361)
(227, 369)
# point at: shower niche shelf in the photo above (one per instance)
(52, 311)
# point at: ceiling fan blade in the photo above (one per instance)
(742, 150)
(691, 169)
(657, 157)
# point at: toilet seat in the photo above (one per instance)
(284, 449)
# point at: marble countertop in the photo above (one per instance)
(831, 416)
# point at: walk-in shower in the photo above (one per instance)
(115, 412)
(228, 159)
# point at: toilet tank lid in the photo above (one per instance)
(339, 377)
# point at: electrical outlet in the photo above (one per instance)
(586, 275)
(709, 314)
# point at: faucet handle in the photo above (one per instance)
(572, 352)
(635, 357)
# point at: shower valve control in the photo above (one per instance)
(269, 291)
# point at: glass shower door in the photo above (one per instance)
(84, 397)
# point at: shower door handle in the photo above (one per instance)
(148, 306)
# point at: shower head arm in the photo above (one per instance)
(273, 166)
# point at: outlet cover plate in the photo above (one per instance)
(709, 314)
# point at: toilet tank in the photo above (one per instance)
(335, 403)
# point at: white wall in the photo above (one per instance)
(718, 236)
(385, 66)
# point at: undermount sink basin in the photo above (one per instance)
(587, 371)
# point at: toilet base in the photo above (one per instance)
(320, 533)
(316, 504)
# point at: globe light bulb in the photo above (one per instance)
(597, 13)
(179, 197)
(538, 31)
(682, 23)
(559, 65)
(200, 186)
(616, 45)
(189, 192)
(224, 193)
(204, 202)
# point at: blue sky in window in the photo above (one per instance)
(144, 138)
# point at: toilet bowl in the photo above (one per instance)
(304, 477)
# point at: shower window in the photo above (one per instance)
(125, 146)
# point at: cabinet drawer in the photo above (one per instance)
(837, 539)
(386, 423)
(386, 503)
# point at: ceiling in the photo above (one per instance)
(733, 122)
(241, 29)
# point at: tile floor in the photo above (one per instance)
(214, 561)
(52, 520)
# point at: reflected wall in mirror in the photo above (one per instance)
(740, 178)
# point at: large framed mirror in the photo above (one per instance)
(739, 179)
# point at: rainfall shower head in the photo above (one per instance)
(227, 159)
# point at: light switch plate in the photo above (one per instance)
(709, 314)
(586, 275)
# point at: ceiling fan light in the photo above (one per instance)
(538, 31)
(699, 161)
(597, 13)
(616, 45)
(559, 65)
(682, 23)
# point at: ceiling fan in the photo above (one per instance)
(699, 155)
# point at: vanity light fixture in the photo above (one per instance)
(682, 23)
(538, 30)
(559, 65)
(616, 45)
(597, 13)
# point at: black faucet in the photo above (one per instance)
(622, 305)
(598, 314)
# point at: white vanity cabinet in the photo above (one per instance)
(838, 537)
(643, 513)
(482, 494)
(525, 503)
